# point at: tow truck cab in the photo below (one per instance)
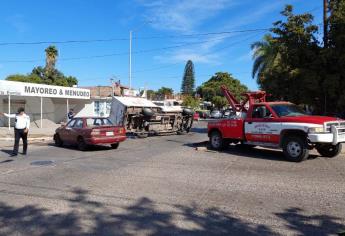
(277, 125)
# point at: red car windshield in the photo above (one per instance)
(95, 122)
(288, 110)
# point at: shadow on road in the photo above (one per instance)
(7, 151)
(6, 161)
(90, 148)
(296, 219)
(245, 151)
(88, 217)
(202, 130)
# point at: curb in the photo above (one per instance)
(29, 139)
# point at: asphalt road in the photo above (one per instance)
(164, 186)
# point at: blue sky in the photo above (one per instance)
(171, 28)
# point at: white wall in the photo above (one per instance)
(86, 110)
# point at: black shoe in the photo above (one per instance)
(13, 155)
(24, 153)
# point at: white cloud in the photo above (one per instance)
(187, 54)
(182, 15)
(18, 22)
(253, 17)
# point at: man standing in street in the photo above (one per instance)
(21, 129)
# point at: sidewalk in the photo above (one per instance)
(34, 133)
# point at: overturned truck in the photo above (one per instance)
(142, 117)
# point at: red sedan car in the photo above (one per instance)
(84, 131)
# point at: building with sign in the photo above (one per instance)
(43, 102)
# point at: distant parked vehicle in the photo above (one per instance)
(196, 116)
(204, 114)
(215, 114)
(84, 131)
(227, 113)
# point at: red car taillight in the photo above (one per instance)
(95, 132)
(122, 131)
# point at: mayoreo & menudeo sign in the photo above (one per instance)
(42, 90)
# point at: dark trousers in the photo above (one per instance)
(20, 134)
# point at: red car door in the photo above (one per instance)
(76, 130)
(64, 133)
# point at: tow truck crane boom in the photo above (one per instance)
(251, 97)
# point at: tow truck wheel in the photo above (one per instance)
(217, 142)
(328, 150)
(295, 148)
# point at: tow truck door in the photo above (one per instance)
(262, 126)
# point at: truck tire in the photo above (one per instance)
(187, 112)
(295, 148)
(147, 112)
(217, 142)
(329, 150)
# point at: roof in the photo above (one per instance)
(135, 102)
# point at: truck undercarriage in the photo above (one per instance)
(149, 119)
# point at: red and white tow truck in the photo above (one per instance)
(276, 125)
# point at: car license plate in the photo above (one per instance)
(158, 117)
(109, 133)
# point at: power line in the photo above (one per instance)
(63, 42)
(116, 54)
(126, 39)
(143, 38)
(205, 34)
(219, 49)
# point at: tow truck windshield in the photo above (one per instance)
(288, 110)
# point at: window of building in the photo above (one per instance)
(108, 106)
(96, 108)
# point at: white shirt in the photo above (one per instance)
(22, 121)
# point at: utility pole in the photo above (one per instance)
(325, 23)
(112, 87)
(130, 60)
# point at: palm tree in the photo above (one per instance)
(51, 57)
(265, 56)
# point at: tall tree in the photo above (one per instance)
(190, 101)
(265, 56)
(211, 88)
(164, 92)
(334, 59)
(51, 57)
(188, 81)
(287, 61)
(47, 75)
